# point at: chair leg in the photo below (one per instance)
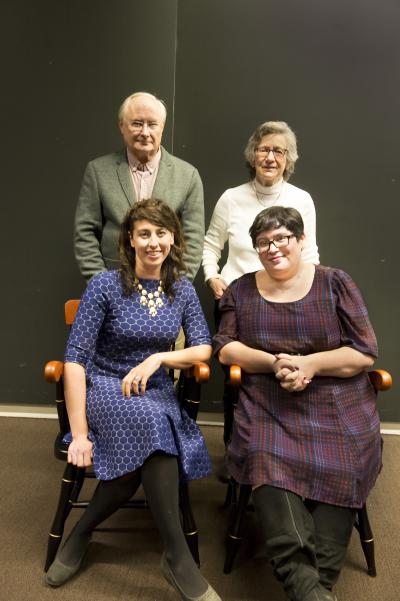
(79, 480)
(235, 531)
(366, 539)
(188, 522)
(231, 494)
(63, 508)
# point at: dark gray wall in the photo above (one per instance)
(66, 66)
(328, 68)
(331, 70)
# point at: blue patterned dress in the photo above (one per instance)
(111, 334)
(322, 443)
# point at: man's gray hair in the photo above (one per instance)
(272, 127)
(127, 100)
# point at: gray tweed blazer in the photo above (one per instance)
(107, 193)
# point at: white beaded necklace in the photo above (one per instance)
(152, 300)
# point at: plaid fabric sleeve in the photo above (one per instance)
(355, 326)
(227, 331)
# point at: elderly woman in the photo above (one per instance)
(271, 154)
(122, 407)
(306, 431)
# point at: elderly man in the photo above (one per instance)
(143, 169)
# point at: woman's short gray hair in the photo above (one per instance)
(272, 127)
(122, 108)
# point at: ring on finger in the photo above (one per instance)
(137, 379)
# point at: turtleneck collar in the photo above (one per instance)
(269, 190)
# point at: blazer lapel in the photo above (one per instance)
(161, 184)
(125, 179)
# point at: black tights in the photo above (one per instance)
(160, 478)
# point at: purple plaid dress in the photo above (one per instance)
(111, 334)
(322, 443)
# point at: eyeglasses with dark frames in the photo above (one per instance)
(279, 241)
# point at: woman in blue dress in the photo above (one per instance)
(122, 407)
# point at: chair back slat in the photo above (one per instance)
(70, 309)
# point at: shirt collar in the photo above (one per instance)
(149, 166)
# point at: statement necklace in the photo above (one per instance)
(152, 300)
(262, 201)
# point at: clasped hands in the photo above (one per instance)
(293, 372)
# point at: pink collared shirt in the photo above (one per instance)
(143, 179)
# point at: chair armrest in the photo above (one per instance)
(53, 370)
(235, 375)
(199, 371)
(380, 379)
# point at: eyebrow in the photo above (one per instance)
(144, 229)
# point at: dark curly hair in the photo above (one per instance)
(158, 213)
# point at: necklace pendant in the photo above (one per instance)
(152, 300)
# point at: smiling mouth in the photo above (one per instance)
(275, 258)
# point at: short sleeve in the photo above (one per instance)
(355, 326)
(228, 330)
(193, 321)
(88, 321)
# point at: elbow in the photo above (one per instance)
(369, 361)
(205, 353)
(222, 357)
(208, 353)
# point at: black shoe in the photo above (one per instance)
(320, 593)
(58, 573)
(209, 595)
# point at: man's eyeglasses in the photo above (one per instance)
(279, 153)
(139, 125)
(279, 241)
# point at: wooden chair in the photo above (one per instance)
(381, 381)
(188, 391)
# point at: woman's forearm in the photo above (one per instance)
(251, 360)
(343, 362)
(186, 357)
(214, 240)
(75, 398)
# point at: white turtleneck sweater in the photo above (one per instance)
(233, 215)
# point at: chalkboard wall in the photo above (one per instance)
(330, 69)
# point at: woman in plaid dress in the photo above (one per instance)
(306, 430)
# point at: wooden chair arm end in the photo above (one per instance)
(199, 371)
(235, 375)
(53, 370)
(380, 379)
